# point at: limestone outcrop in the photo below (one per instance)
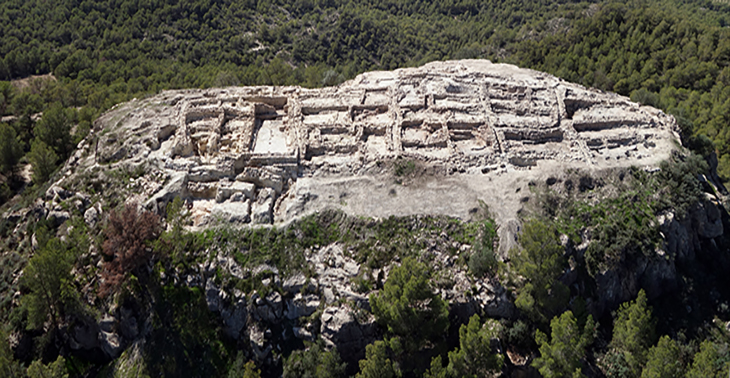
(269, 154)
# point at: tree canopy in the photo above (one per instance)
(475, 357)
(540, 262)
(633, 332)
(408, 307)
(50, 284)
(561, 355)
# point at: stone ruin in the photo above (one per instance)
(238, 153)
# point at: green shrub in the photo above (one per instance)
(185, 340)
(9, 367)
(664, 360)
(315, 361)
(43, 160)
(712, 361)
(50, 290)
(540, 262)
(408, 307)
(633, 333)
(475, 357)
(56, 369)
(243, 369)
(519, 335)
(680, 187)
(403, 168)
(376, 363)
(483, 260)
(54, 129)
(10, 149)
(561, 356)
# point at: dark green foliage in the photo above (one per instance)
(614, 365)
(372, 243)
(376, 363)
(54, 129)
(242, 369)
(663, 360)
(437, 369)
(9, 367)
(483, 260)
(644, 97)
(47, 278)
(174, 241)
(681, 187)
(561, 356)
(10, 149)
(540, 262)
(712, 361)
(404, 167)
(633, 334)
(43, 160)
(56, 369)
(315, 361)
(475, 357)
(7, 92)
(408, 307)
(185, 339)
(623, 225)
(86, 117)
(519, 335)
(622, 222)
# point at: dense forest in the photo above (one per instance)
(63, 63)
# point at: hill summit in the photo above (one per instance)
(431, 140)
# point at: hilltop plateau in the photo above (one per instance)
(430, 140)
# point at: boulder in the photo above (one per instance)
(231, 212)
(91, 217)
(261, 209)
(57, 218)
(212, 296)
(176, 187)
(235, 317)
(269, 309)
(257, 341)
(111, 344)
(128, 325)
(350, 334)
(294, 283)
(84, 336)
(110, 148)
(708, 219)
(226, 189)
(268, 177)
(301, 305)
(57, 194)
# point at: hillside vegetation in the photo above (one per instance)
(71, 60)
